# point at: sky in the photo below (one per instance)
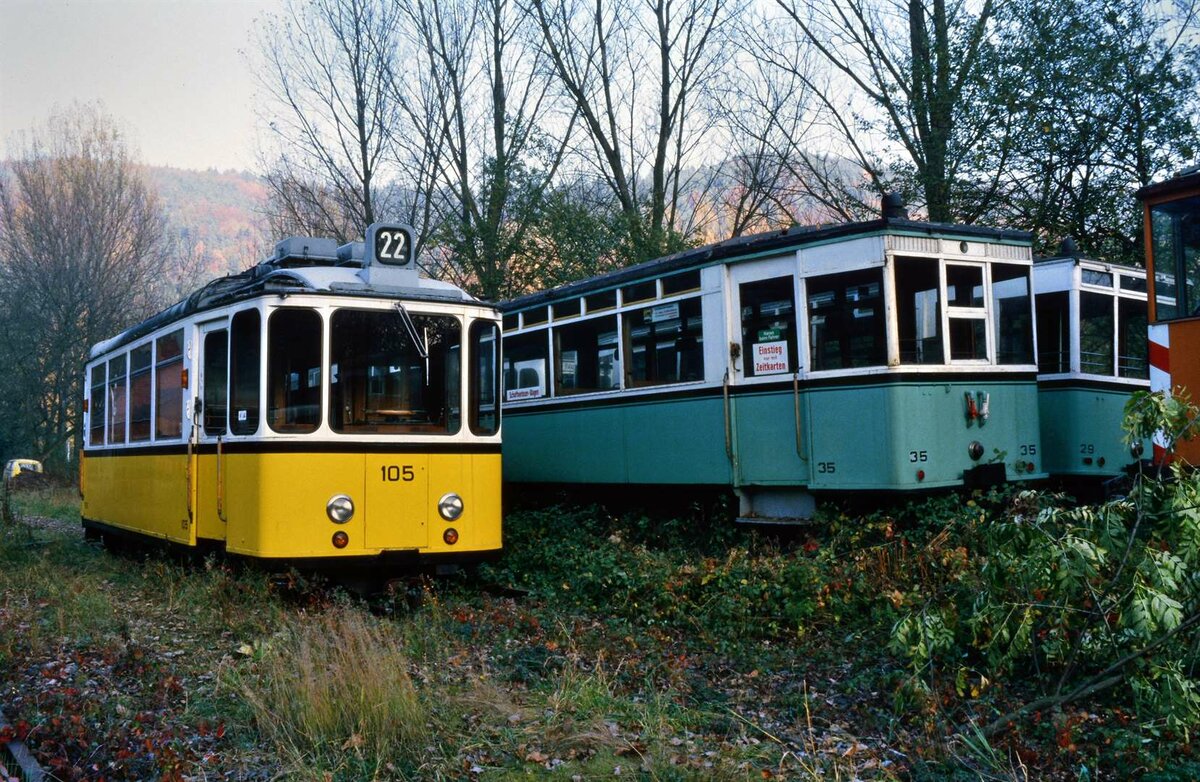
(174, 73)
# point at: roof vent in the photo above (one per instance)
(305, 251)
(1068, 247)
(892, 206)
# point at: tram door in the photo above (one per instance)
(213, 391)
(765, 408)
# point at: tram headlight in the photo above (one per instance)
(1136, 448)
(339, 509)
(450, 506)
(975, 450)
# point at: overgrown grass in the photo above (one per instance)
(55, 502)
(333, 692)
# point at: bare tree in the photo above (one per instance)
(82, 249)
(492, 99)
(914, 63)
(329, 67)
(634, 70)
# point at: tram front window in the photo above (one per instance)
(919, 316)
(1175, 243)
(1096, 333)
(1011, 313)
(392, 374)
(294, 371)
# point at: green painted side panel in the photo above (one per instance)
(1083, 423)
(868, 437)
(764, 430)
(672, 441)
(880, 437)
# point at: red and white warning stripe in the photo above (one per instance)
(1160, 375)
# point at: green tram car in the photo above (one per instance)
(1092, 356)
(885, 355)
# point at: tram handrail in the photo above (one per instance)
(220, 479)
(728, 432)
(796, 407)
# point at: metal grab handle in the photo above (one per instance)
(796, 406)
(728, 431)
(220, 479)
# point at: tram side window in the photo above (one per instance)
(768, 326)
(117, 393)
(525, 366)
(919, 315)
(168, 384)
(141, 387)
(1131, 339)
(216, 379)
(245, 353)
(586, 356)
(665, 343)
(1175, 243)
(965, 307)
(1054, 333)
(1011, 314)
(1096, 333)
(96, 406)
(294, 371)
(845, 320)
(485, 379)
(388, 378)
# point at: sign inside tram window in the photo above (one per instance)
(390, 245)
(770, 358)
(769, 335)
(664, 312)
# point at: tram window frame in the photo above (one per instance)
(141, 392)
(1133, 344)
(97, 404)
(967, 317)
(639, 292)
(425, 392)
(1175, 247)
(1097, 278)
(1133, 283)
(591, 364)
(681, 283)
(512, 321)
(1098, 329)
(483, 385)
(1053, 330)
(687, 348)
(753, 297)
(918, 285)
(520, 358)
(565, 310)
(535, 317)
(245, 372)
(168, 396)
(215, 381)
(601, 301)
(295, 370)
(843, 310)
(1012, 323)
(118, 399)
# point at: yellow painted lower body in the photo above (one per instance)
(272, 505)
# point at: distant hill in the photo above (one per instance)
(216, 217)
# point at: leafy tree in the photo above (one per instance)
(82, 252)
(1102, 98)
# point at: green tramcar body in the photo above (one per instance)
(886, 355)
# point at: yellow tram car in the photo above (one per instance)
(327, 407)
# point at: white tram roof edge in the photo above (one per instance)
(307, 270)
